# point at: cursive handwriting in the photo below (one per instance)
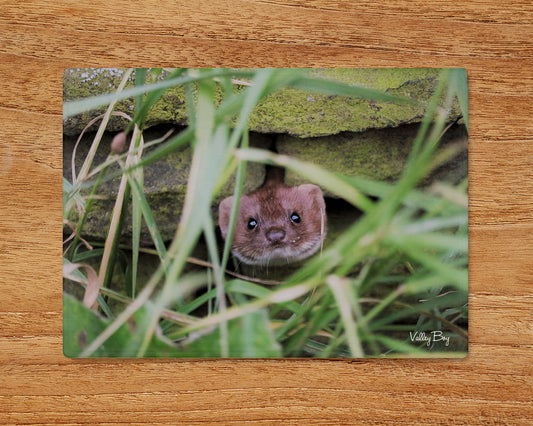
(433, 336)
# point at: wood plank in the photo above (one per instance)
(475, 11)
(485, 363)
(349, 27)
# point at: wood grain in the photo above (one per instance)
(492, 39)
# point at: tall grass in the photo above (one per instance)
(400, 269)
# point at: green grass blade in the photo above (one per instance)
(341, 290)
(448, 273)
(433, 240)
(400, 346)
(239, 182)
(151, 98)
(331, 87)
(140, 81)
(459, 82)
(97, 138)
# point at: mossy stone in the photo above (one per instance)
(165, 185)
(292, 111)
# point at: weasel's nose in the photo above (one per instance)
(275, 235)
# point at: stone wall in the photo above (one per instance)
(350, 136)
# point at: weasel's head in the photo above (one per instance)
(276, 225)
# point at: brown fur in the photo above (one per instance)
(276, 240)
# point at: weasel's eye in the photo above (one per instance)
(295, 218)
(252, 223)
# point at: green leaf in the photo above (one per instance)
(81, 326)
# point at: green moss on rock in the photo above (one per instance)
(295, 112)
(165, 185)
(81, 83)
(379, 154)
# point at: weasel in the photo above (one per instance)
(276, 224)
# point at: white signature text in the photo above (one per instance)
(429, 338)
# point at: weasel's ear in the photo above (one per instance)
(314, 194)
(224, 211)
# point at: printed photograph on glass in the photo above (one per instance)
(265, 213)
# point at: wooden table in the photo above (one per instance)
(492, 39)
